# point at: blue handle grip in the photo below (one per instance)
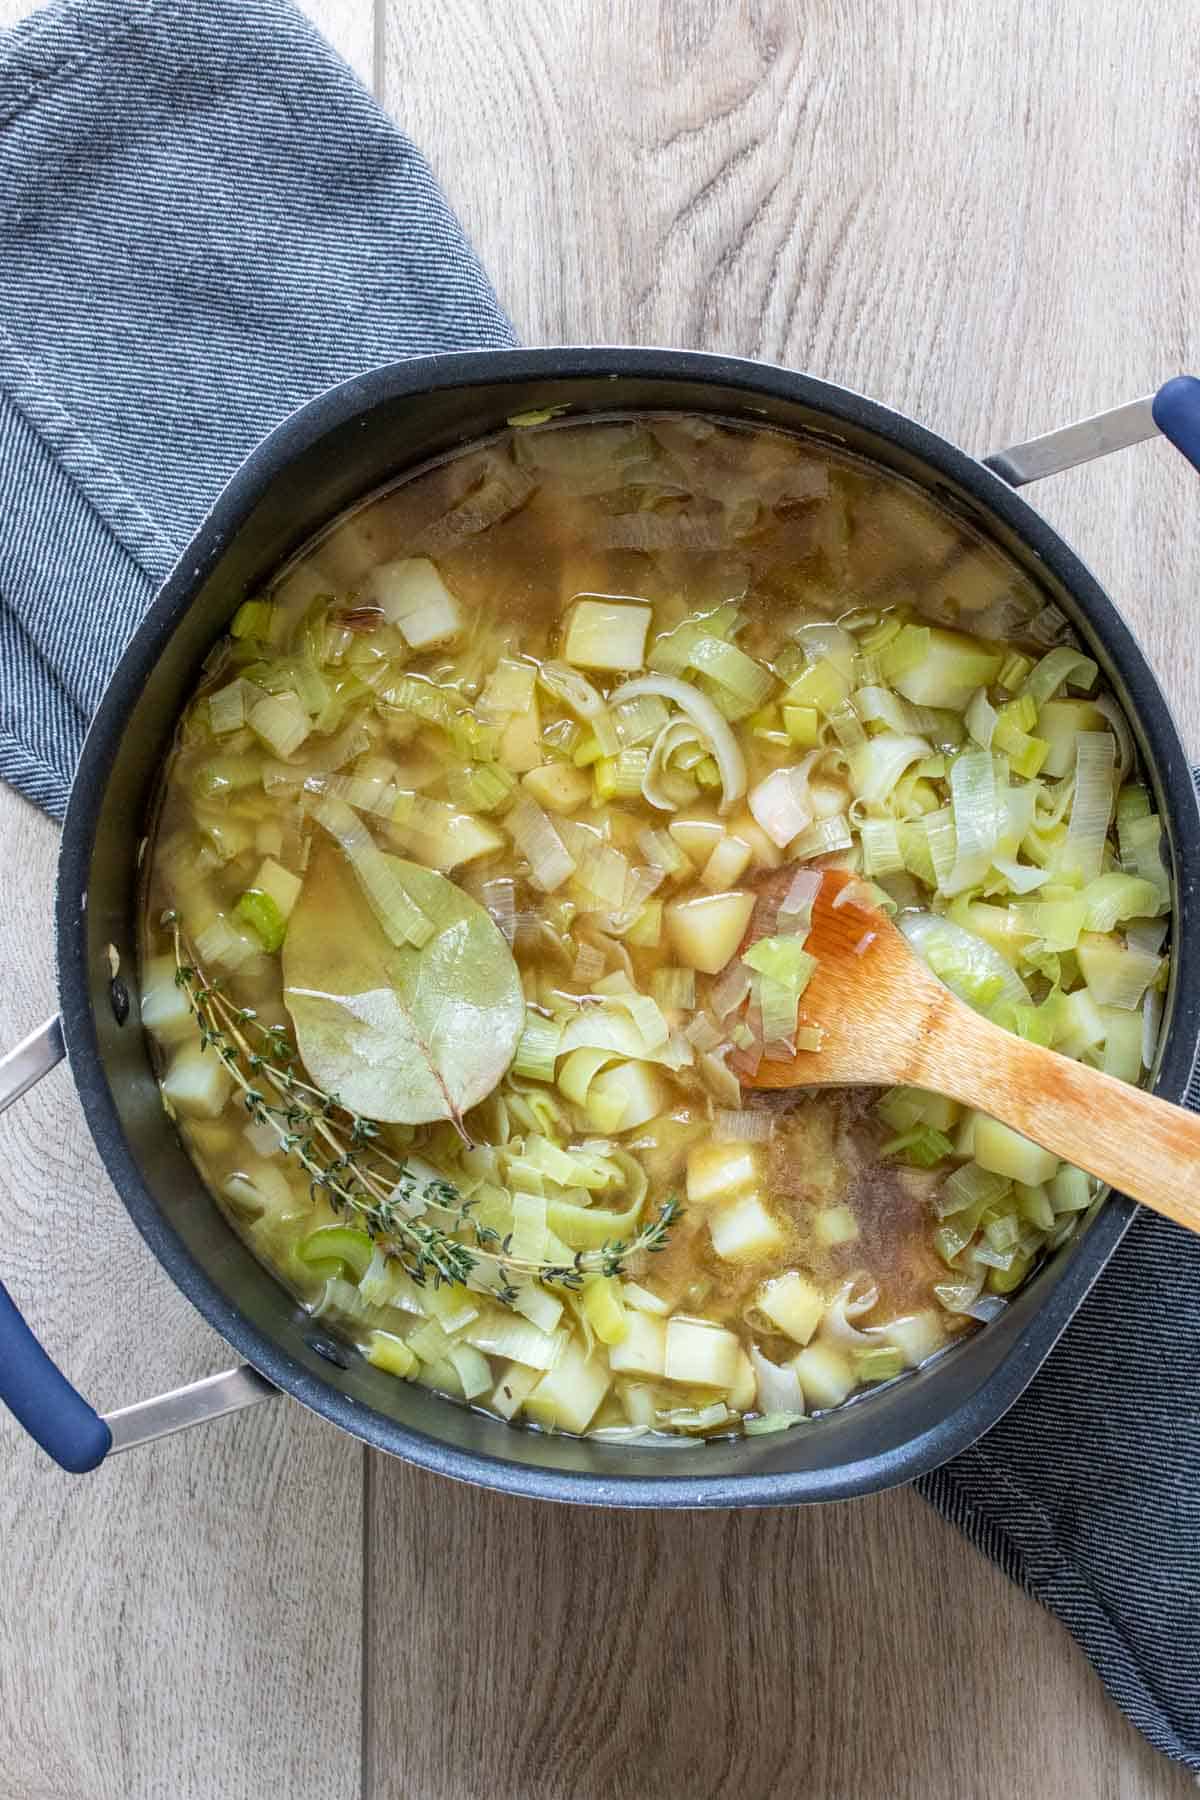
(43, 1400)
(1176, 412)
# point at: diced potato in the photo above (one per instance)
(835, 1225)
(640, 1403)
(945, 667)
(917, 1335)
(825, 1375)
(1005, 1152)
(412, 595)
(473, 1370)
(697, 835)
(743, 1392)
(706, 932)
(700, 1354)
(721, 1172)
(744, 826)
(607, 634)
(744, 1230)
(197, 1083)
(567, 1396)
(643, 1349)
(514, 1387)
(387, 1351)
(279, 883)
(605, 1309)
(793, 1303)
(165, 1008)
(627, 1095)
(559, 787)
(727, 864)
(645, 1300)
(521, 739)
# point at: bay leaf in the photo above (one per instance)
(400, 1035)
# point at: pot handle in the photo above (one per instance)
(1174, 411)
(35, 1389)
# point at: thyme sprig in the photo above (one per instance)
(340, 1152)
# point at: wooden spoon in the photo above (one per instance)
(886, 1019)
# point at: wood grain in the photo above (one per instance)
(981, 216)
(186, 1622)
(985, 216)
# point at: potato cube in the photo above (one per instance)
(568, 1395)
(643, 1350)
(794, 1304)
(705, 932)
(744, 1231)
(280, 884)
(412, 595)
(165, 1008)
(825, 1375)
(559, 787)
(720, 1172)
(514, 1387)
(835, 1225)
(700, 1354)
(743, 1392)
(604, 633)
(1005, 1152)
(197, 1083)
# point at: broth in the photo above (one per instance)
(447, 900)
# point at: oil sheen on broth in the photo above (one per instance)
(466, 825)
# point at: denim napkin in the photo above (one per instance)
(204, 220)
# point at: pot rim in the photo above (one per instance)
(340, 405)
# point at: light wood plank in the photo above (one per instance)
(972, 213)
(186, 1619)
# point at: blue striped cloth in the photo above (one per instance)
(203, 221)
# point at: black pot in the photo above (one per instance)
(328, 454)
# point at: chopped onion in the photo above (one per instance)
(743, 1127)
(1106, 704)
(729, 989)
(780, 802)
(823, 838)
(707, 720)
(970, 966)
(877, 765)
(778, 1389)
(702, 1033)
(986, 1308)
(795, 909)
(1091, 808)
(550, 862)
(1152, 1011)
(1057, 667)
(977, 818)
(981, 718)
(666, 788)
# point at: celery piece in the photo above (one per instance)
(921, 1148)
(537, 1049)
(253, 619)
(879, 1363)
(260, 912)
(802, 725)
(1070, 1190)
(766, 1423)
(391, 1353)
(337, 1249)
(604, 1309)
(821, 687)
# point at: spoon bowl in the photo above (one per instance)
(884, 1018)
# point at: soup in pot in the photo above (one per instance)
(458, 936)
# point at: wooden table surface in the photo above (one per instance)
(985, 215)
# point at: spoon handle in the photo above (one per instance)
(1144, 1147)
